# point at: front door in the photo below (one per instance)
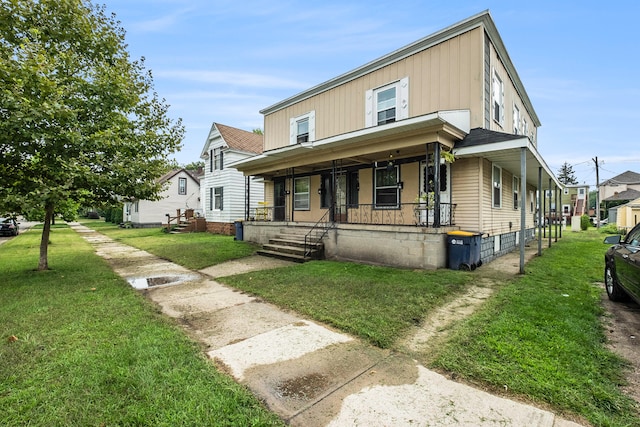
(279, 199)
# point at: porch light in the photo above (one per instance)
(320, 191)
(400, 185)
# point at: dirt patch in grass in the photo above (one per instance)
(622, 325)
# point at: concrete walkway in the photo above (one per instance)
(309, 374)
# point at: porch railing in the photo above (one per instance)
(416, 214)
(317, 233)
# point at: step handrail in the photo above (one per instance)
(308, 243)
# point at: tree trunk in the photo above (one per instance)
(43, 264)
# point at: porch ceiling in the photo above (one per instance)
(403, 139)
(507, 154)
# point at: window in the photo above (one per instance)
(217, 158)
(136, 206)
(516, 120)
(386, 187)
(497, 186)
(182, 186)
(303, 128)
(498, 98)
(301, 194)
(525, 127)
(218, 202)
(516, 192)
(388, 103)
(565, 191)
(210, 199)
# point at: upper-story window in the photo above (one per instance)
(182, 186)
(303, 128)
(516, 192)
(215, 159)
(497, 95)
(388, 103)
(516, 120)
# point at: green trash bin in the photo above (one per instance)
(463, 249)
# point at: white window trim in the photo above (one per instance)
(377, 204)
(182, 190)
(217, 196)
(293, 127)
(493, 186)
(516, 192)
(307, 200)
(497, 93)
(516, 119)
(402, 101)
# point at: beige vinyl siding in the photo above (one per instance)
(447, 76)
(511, 97)
(466, 177)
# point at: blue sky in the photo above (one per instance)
(223, 61)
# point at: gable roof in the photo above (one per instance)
(480, 20)
(627, 177)
(238, 139)
(167, 176)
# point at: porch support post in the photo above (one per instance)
(539, 210)
(247, 197)
(436, 184)
(332, 192)
(523, 204)
(292, 183)
(558, 226)
(550, 199)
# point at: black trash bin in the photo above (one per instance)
(464, 250)
(239, 230)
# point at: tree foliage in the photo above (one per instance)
(79, 121)
(566, 174)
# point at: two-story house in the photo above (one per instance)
(227, 194)
(181, 192)
(436, 136)
(574, 201)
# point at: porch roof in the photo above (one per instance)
(404, 138)
(505, 150)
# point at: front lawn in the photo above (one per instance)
(80, 347)
(192, 250)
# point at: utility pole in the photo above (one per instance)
(597, 193)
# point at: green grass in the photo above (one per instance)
(378, 304)
(192, 250)
(92, 351)
(541, 337)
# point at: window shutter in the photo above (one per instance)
(292, 131)
(403, 100)
(368, 103)
(312, 126)
(221, 159)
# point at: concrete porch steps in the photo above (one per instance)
(290, 246)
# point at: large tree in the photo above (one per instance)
(566, 174)
(79, 120)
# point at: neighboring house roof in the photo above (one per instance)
(630, 194)
(627, 177)
(482, 19)
(167, 176)
(238, 139)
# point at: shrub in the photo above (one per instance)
(584, 222)
(612, 229)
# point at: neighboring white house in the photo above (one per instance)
(223, 187)
(182, 191)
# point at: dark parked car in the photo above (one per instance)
(9, 227)
(622, 266)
